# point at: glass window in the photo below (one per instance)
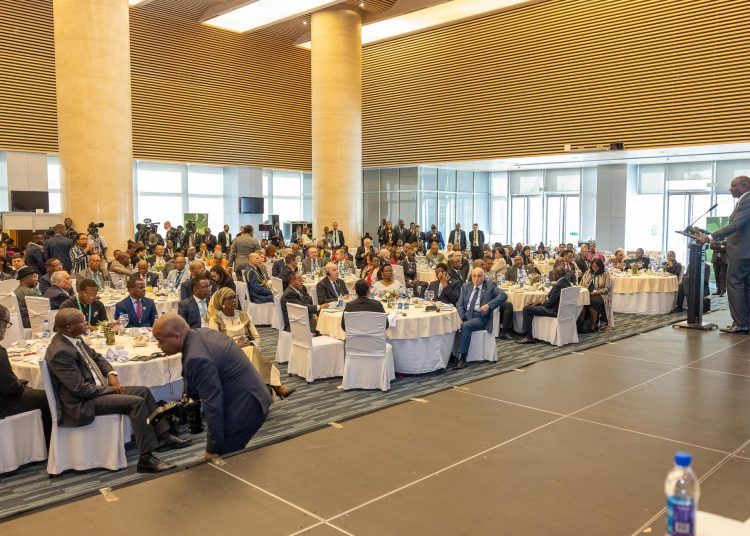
(389, 179)
(266, 180)
(286, 183)
(481, 213)
(213, 206)
(554, 218)
(428, 210)
(562, 180)
(307, 183)
(572, 219)
(644, 217)
(481, 182)
(726, 170)
(465, 210)
(527, 181)
(408, 207)
(726, 205)
(389, 207)
(288, 208)
(447, 181)
(536, 228)
(160, 208)
(408, 178)
(159, 178)
(651, 178)
(428, 178)
(371, 180)
(307, 208)
(465, 181)
(446, 213)
(205, 180)
(518, 219)
(371, 213)
(53, 185)
(687, 176)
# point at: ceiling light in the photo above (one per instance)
(361, 4)
(264, 13)
(423, 19)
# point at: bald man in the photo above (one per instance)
(235, 400)
(87, 386)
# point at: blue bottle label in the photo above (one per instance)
(680, 516)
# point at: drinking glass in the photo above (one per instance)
(410, 293)
(124, 320)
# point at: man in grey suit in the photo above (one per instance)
(242, 247)
(737, 236)
(96, 272)
(86, 386)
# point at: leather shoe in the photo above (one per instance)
(282, 391)
(717, 293)
(525, 340)
(506, 336)
(172, 442)
(677, 310)
(460, 363)
(735, 330)
(151, 464)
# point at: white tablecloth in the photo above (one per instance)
(529, 297)
(163, 375)
(166, 304)
(422, 341)
(427, 276)
(644, 294)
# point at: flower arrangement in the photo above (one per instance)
(109, 329)
(158, 267)
(635, 267)
(533, 279)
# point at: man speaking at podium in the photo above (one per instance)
(737, 235)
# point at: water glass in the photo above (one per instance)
(123, 320)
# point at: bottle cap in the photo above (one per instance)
(682, 459)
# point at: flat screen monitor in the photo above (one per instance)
(251, 205)
(25, 201)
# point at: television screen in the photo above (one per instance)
(23, 201)
(251, 205)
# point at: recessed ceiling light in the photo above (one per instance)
(264, 13)
(361, 4)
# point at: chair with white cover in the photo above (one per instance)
(482, 347)
(21, 440)
(312, 357)
(398, 274)
(561, 329)
(278, 286)
(261, 313)
(99, 444)
(369, 358)
(39, 311)
(242, 295)
(117, 279)
(8, 297)
(284, 345)
(13, 332)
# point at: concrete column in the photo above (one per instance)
(92, 66)
(336, 37)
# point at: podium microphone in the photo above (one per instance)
(689, 228)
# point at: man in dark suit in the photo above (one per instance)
(149, 279)
(96, 272)
(257, 284)
(234, 398)
(288, 267)
(477, 242)
(87, 386)
(225, 239)
(457, 235)
(362, 303)
(141, 311)
(459, 267)
(35, 254)
(519, 270)
(409, 264)
(737, 235)
(417, 235)
(195, 308)
(45, 281)
(297, 293)
(330, 289)
(197, 269)
(15, 395)
(640, 259)
(313, 262)
(363, 250)
(401, 232)
(336, 237)
(276, 236)
(433, 235)
(548, 308)
(478, 300)
(209, 239)
(445, 289)
(60, 290)
(58, 247)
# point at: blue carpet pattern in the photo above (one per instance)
(311, 407)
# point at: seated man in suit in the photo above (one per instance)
(15, 395)
(478, 299)
(409, 264)
(258, 286)
(197, 269)
(297, 293)
(548, 308)
(234, 398)
(180, 272)
(195, 308)
(672, 266)
(342, 262)
(330, 289)
(434, 255)
(287, 269)
(445, 289)
(53, 265)
(61, 289)
(683, 287)
(85, 301)
(28, 285)
(362, 302)
(519, 271)
(149, 279)
(87, 386)
(459, 267)
(141, 311)
(95, 272)
(277, 266)
(639, 259)
(313, 262)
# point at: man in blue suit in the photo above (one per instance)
(257, 284)
(141, 311)
(149, 279)
(58, 247)
(235, 400)
(478, 299)
(195, 308)
(548, 308)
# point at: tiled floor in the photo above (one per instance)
(577, 445)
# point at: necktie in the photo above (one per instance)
(95, 372)
(476, 242)
(179, 276)
(138, 310)
(202, 309)
(473, 302)
(336, 288)
(97, 277)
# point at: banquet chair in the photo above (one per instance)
(261, 313)
(242, 295)
(398, 274)
(312, 357)
(117, 278)
(39, 311)
(278, 286)
(21, 440)
(14, 332)
(284, 346)
(7, 296)
(369, 358)
(561, 329)
(482, 347)
(99, 444)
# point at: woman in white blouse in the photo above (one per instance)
(387, 284)
(223, 316)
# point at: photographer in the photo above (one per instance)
(98, 243)
(191, 236)
(146, 232)
(79, 254)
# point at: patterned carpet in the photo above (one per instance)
(311, 407)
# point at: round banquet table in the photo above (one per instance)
(312, 290)
(422, 341)
(428, 276)
(645, 294)
(162, 375)
(521, 298)
(164, 304)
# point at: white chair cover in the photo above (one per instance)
(7, 296)
(242, 294)
(559, 330)
(284, 346)
(116, 278)
(369, 358)
(15, 332)
(312, 357)
(398, 274)
(21, 440)
(99, 444)
(278, 286)
(39, 311)
(261, 313)
(482, 347)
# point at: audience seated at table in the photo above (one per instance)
(459, 267)
(434, 256)
(297, 294)
(95, 272)
(331, 288)
(149, 279)
(541, 253)
(371, 270)
(141, 310)
(60, 290)
(500, 261)
(221, 278)
(289, 266)
(86, 302)
(224, 316)
(197, 269)
(640, 260)
(519, 271)
(387, 283)
(28, 285)
(527, 255)
(313, 262)
(672, 266)
(53, 265)
(445, 288)
(598, 282)
(195, 308)
(593, 254)
(180, 272)
(582, 258)
(548, 308)
(618, 261)
(121, 265)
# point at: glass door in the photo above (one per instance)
(562, 219)
(682, 209)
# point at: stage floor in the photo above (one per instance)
(575, 445)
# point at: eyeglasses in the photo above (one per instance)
(230, 298)
(8, 323)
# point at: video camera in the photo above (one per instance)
(94, 228)
(190, 226)
(187, 411)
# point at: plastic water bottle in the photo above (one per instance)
(45, 329)
(683, 491)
